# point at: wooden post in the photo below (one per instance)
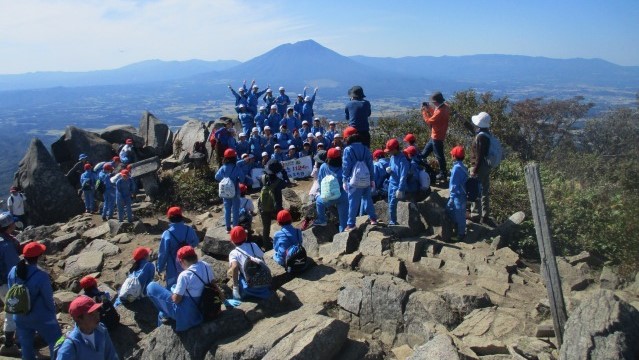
(546, 251)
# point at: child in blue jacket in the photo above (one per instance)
(457, 187)
(108, 208)
(230, 170)
(124, 192)
(398, 170)
(176, 236)
(332, 166)
(87, 182)
(285, 238)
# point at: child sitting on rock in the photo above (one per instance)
(108, 315)
(287, 245)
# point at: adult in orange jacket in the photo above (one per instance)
(436, 115)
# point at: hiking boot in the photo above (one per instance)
(11, 351)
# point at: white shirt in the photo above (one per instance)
(16, 204)
(248, 248)
(188, 281)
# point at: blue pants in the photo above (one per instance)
(109, 205)
(247, 129)
(392, 205)
(355, 197)
(122, 204)
(436, 146)
(342, 209)
(89, 199)
(247, 292)
(186, 314)
(234, 206)
(456, 209)
(49, 331)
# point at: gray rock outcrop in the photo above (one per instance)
(75, 141)
(190, 133)
(156, 135)
(117, 134)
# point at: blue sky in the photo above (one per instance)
(80, 35)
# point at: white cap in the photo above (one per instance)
(255, 87)
(245, 155)
(316, 119)
(318, 134)
(277, 146)
(310, 136)
(282, 88)
(300, 95)
(331, 123)
(292, 147)
(262, 108)
(267, 127)
(241, 106)
(481, 120)
(320, 144)
(338, 135)
(269, 90)
(304, 122)
(264, 154)
(242, 134)
(273, 107)
(307, 98)
(240, 89)
(289, 108)
(254, 130)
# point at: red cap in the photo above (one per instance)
(124, 172)
(238, 235)
(378, 154)
(83, 305)
(107, 167)
(116, 158)
(87, 166)
(458, 152)
(243, 189)
(229, 154)
(410, 151)
(88, 282)
(185, 251)
(140, 253)
(333, 153)
(284, 217)
(33, 249)
(174, 211)
(349, 131)
(129, 141)
(409, 138)
(392, 144)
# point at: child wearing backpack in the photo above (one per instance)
(109, 191)
(109, 317)
(247, 209)
(251, 277)
(9, 257)
(358, 178)
(124, 192)
(270, 200)
(138, 277)
(87, 182)
(398, 170)
(27, 281)
(182, 302)
(175, 237)
(331, 190)
(287, 245)
(485, 146)
(229, 176)
(85, 314)
(412, 180)
(456, 206)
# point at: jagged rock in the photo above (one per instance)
(608, 279)
(123, 238)
(492, 272)
(403, 352)
(103, 246)
(602, 327)
(117, 134)
(498, 287)
(346, 242)
(530, 347)
(318, 285)
(572, 278)
(408, 250)
(433, 209)
(449, 253)
(422, 308)
(440, 347)
(508, 229)
(456, 267)
(484, 330)
(507, 258)
(97, 232)
(582, 257)
(292, 202)
(382, 265)
(62, 299)
(408, 214)
(116, 227)
(376, 243)
(463, 299)
(316, 235)
(61, 242)
(431, 263)
(75, 141)
(361, 350)
(185, 138)
(73, 248)
(217, 242)
(50, 197)
(375, 302)
(85, 263)
(193, 344)
(156, 135)
(37, 233)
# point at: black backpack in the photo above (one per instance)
(108, 314)
(211, 299)
(296, 259)
(255, 270)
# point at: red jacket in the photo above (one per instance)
(437, 119)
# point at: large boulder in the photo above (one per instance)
(602, 327)
(117, 134)
(156, 135)
(217, 242)
(440, 347)
(314, 236)
(85, 263)
(75, 141)
(190, 133)
(50, 197)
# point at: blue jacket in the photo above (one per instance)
(232, 143)
(222, 135)
(292, 123)
(284, 239)
(41, 293)
(172, 238)
(105, 178)
(246, 119)
(242, 147)
(260, 120)
(256, 144)
(329, 135)
(357, 113)
(75, 347)
(239, 99)
(290, 157)
(317, 129)
(326, 170)
(253, 98)
(399, 172)
(9, 249)
(268, 145)
(145, 273)
(412, 179)
(458, 177)
(124, 188)
(284, 139)
(304, 132)
(280, 156)
(269, 101)
(282, 102)
(380, 174)
(88, 176)
(297, 141)
(245, 168)
(232, 171)
(307, 109)
(352, 154)
(273, 121)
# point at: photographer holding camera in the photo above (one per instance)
(436, 115)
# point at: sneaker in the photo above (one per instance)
(11, 351)
(374, 222)
(390, 223)
(349, 228)
(315, 223)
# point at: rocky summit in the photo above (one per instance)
(376, 292)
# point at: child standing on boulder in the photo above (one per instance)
(230, 172)
(398, 170)
(87, 182)
(456, 206)
(124, 192)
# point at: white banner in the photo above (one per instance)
(255, 176)
(298, 168)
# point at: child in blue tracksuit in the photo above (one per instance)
(254, 97)
(299, 104)
(317, 128)
(412, 179)
(230, 170)
(87, 181)
(330, 133)
(297, 141)
(282, 102)
(9, 257)
(142, 269)
(283, 137)
(176, 236)
(398, 170)
(260, 119)
(307, 108)
(245, 118)
(278, 154)
(285, 238)
(273, 120)
(42, 317)
(256, 143)
(332, 166)
(269, 99)
(75, 345)
(305, 130)
(109, 191)
(456, 206)
(124, 192)
(380, 163)
(237, 259)
(268, 140)
(353, 153)
(242, 97)
(292, 153)
(291, 121)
